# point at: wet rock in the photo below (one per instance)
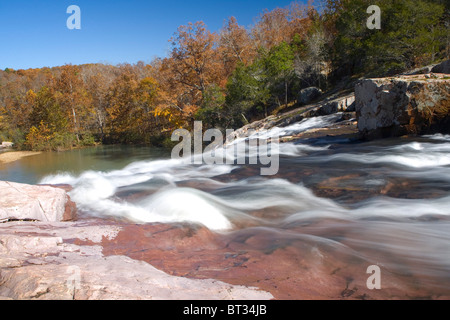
(95, 259)
(289, 263)
(28, 202)
(286, 121)
(246, 130)
(344, 129)
(65, 261)
(345, 188)
(389, 107)
(341, 104)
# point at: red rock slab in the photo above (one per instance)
(286, 263)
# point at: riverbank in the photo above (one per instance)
(310, 233)
(64, 261)
(11, 156)
(337, 208)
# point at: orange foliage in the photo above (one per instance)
(144, 99)
(282, 24)
(235, 45)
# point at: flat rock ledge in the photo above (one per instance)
(30, 202)
(64, 261)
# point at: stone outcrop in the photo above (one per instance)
(308, 95)
(413, 103)
(64, 261)
(28, 202)
(443, 67)
(389, 107)
(344, 103)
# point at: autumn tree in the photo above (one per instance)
(147, 95)
(120, 106)
(171, 106)
(235, 45)
(272, 28)
(72, 96)
(301, 18)
(131, 107)
(195, 64)
(46, 109)
(282, 24)
(97, 79)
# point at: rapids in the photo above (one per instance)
(385, 201)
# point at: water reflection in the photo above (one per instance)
(103, 158)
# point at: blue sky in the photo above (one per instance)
(34, 34)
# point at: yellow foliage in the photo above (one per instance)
(170, 114)
(38, 138)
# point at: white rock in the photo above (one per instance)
(29, 202)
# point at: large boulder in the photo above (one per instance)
(443, 67)
(308, 95)
(388, 107)
(29, 202)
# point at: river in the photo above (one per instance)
(386, 202)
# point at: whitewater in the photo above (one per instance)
(387, 198)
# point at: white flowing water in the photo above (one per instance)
(383, 199)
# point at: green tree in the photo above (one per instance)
(247, 92)
(412, 33)
(279, 65)
(212, 111)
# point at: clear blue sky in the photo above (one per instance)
(33, 33)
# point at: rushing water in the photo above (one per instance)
(388, 200)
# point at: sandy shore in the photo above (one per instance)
(10, 156)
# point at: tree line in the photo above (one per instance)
(226, 78)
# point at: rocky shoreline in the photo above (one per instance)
(412, 104)
(405, 105)
(47, 252)
(65, 261)
(93, 259)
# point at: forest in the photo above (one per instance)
(225, 79)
